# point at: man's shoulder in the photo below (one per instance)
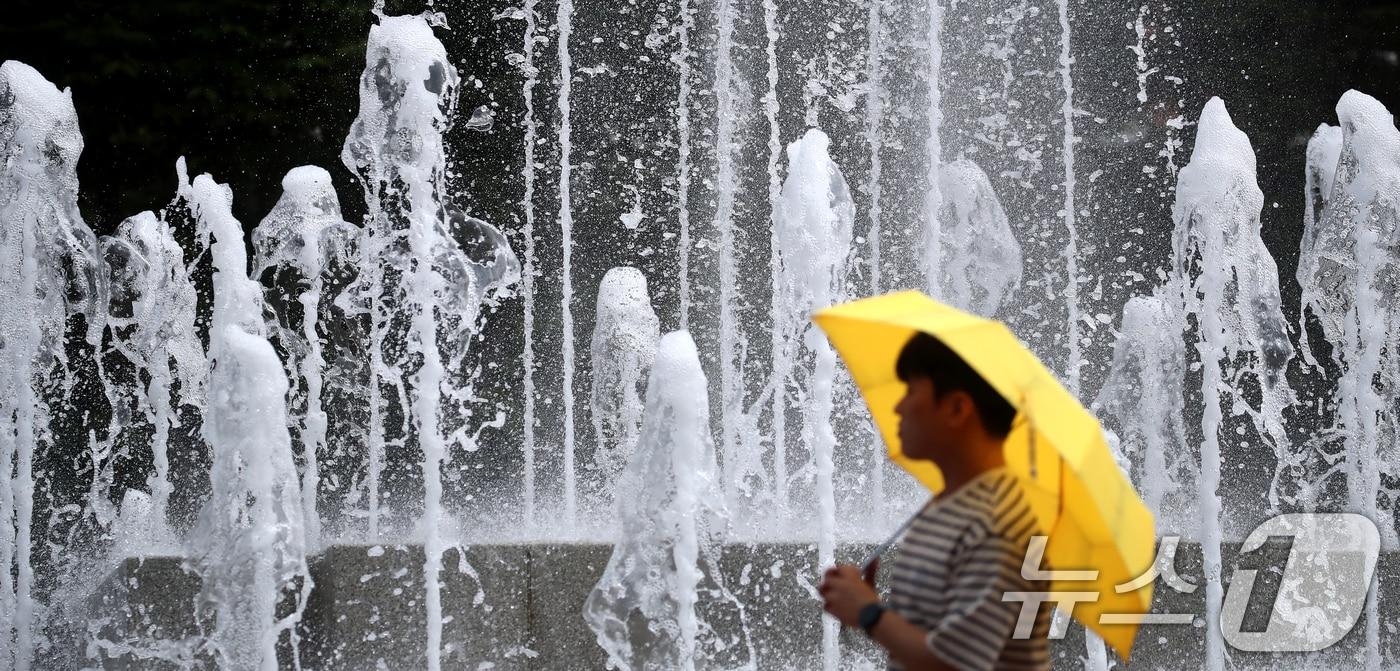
(1000, 505)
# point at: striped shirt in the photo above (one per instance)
(963, 551)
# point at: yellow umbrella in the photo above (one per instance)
(1094, 519)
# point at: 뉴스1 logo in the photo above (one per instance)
(1328, 561)
(1331, 561)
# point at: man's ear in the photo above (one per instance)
(960, 407)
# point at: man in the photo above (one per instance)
(965, 549)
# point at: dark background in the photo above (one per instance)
(243, 89)
(247, 89)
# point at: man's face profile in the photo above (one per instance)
(930, 426)
(919, 429)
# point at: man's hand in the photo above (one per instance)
(845, 592)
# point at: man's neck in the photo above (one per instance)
(976, 459)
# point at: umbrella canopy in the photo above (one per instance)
(1085, 504)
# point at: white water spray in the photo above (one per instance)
(427, 283)
(686, 25)
(777, 342)
(731, 392)
(624, 346)
(1352, 267)
(876, 97)
(250, 543)
(1229, 282)
(565, 19)
(1144, 399)
(1068, 213)
(296, 245)
(1317, 254)
(814, 227)
(671, 527)
(527, 276)
(47, 272)
(983, 259)
(151, 317)
(933, 201)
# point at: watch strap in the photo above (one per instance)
(870, 616)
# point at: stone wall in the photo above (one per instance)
(519, 607)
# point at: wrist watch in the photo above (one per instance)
(870, 616)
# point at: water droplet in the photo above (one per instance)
(482, 119)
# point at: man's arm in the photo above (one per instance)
(907, 643)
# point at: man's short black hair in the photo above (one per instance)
(927, 357)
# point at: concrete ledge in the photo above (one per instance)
(367, 608)
(145, 614)
(519, 607)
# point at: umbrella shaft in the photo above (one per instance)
(885, 546)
